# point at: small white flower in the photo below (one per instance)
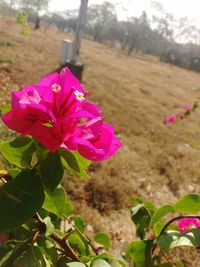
(79, 95)
(55, 87)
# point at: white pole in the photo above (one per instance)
(80, 23)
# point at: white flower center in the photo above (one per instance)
(55, 87)
(79, 95)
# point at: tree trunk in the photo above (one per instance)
(132, 46)
(37, 22)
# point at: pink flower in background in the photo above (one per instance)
(186, 224)
(52, 111)
(168, 119)
(3, 238)
(187, 107)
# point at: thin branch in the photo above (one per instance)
(84, 237)
(60, 240)
(65, 246)
(68, 234)
(175, 219)
(170, 222)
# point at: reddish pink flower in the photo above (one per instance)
(52, 112)
(186, 224)
(168, 119)
(187, 107)
(3, 238)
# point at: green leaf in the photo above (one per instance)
(172, 239)
(188, 204)
(158, 226)
(20, 199)
(48, 248)
(140, 253)
(83, 161)
(167, 265)
(19, 248)
(141, 218)
(6, 250)
(14, 172)
(4, 109)
(100, 263)
(49, 225)
(180, 264)
(73, 163)
(76, 264)
(79, 223)
(51, 170)
(19, 151)
(161, 212)
(115, 263)
(78, 244)
(149, 205)
(103, 239)
(102, 256)
(57, 202)
(33, 257)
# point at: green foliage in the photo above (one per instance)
(33, 257)
(100, 263)
(188, 204)
(103, 239)
(18, 151)
(6, 58)
(74, 163)
(172, 239)
(78, 244)
(159, 213)
(57, 202)
(20, 199)
(141, 217)
(75, 264)
(33, 205)
(140, 253)
(51, 169)
(23, 23)
(79, 223)
(4, 109)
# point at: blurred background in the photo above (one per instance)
(140, 61)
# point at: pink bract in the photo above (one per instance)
(52, 112)
(186, 224)
(3, 238)
(187, 107)
(168, 119)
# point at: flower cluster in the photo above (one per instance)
(186, 224)
(188, 108)
(56, 113)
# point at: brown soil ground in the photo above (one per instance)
(156, 162)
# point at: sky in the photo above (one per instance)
(180, 8)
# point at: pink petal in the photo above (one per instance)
(50, 79)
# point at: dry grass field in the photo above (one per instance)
(156, 162)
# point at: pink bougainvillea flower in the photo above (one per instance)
(187, 107)
(52, 112)
(3, 238)
(186, 224)
(170, 119)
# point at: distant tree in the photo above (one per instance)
(139, 32)
(35, 7)
(164, 24)
(100, 20)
